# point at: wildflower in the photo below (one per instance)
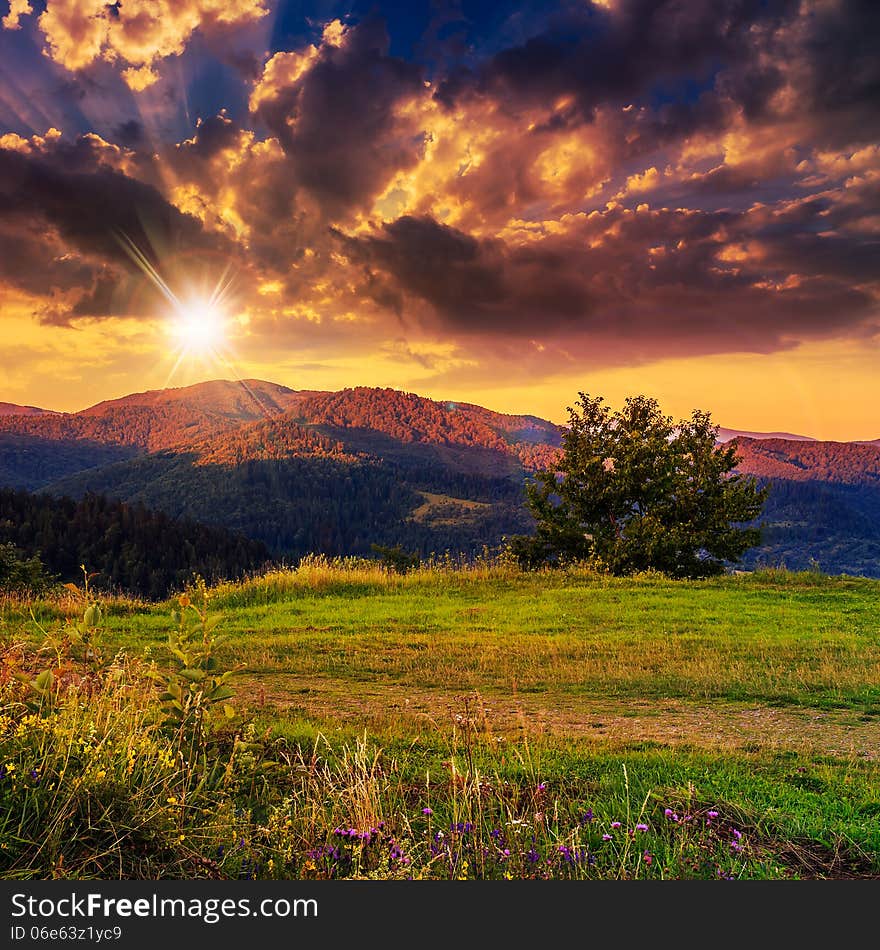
(542, 787)
(532, 856)
(711, 814)
(615, 824)
(586, 817)
(648, 858)
(606, 837)
(427, 811)
(736, 834)
(641, 827)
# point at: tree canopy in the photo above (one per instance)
(633, 490)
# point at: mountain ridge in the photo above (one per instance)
(231, 398)
(336, 472)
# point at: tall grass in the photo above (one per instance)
(96, 783)
(93, 787)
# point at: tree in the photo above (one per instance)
(634, 491)
(19, 574)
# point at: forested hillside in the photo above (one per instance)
(132, 548)
(336, 472)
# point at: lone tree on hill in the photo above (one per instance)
(635, 491)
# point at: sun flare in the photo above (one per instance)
(199, 327)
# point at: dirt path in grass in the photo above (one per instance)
(716, 725)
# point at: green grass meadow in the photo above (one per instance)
(450, 722)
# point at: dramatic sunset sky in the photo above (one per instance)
(496, 202)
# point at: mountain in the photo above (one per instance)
(823, 507)
(839, 463)
(725, 435)
(37, 449)
(10, 409)
(157, 420)
(334, 472)
(337, 472)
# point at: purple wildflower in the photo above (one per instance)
(641, 827)
(427, 811)
(606, 837)
(615, 824)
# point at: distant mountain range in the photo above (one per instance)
(725, 435)
(10, 409)
(301, 471)
(336, 472)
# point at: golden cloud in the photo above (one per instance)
(17, 9)
(137, 34)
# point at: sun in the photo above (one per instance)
(199, 326)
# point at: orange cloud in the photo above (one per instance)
(137, 34)
(17, 9)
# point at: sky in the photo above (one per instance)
(499, 203)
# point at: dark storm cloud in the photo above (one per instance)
(841, 70)
(692, 63)
(211, 136)
(129, 133)
(62, 198)
(598, 55)
(660, 280)
(91, 204)
(336, 119)
(475, 284)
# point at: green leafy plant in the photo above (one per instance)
(75, 644)
(196, 685)
(21, 575)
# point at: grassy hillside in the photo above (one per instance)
(466, 723)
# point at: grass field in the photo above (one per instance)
(462, 723)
